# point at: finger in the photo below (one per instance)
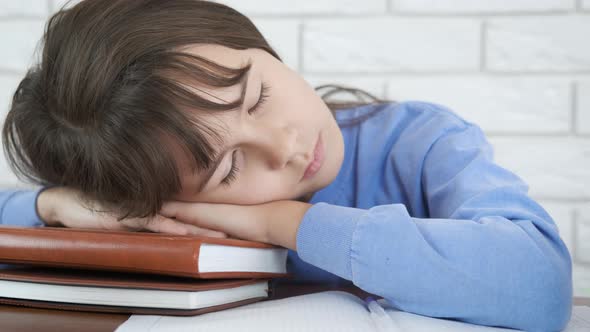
(171, 209)
(114, 225)
(199, 216)
(195, 230)
(134, 224)
(161, 224)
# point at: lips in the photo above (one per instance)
(318, 159)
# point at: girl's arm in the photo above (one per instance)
(19, 208)
(63, 207)
(488, 254)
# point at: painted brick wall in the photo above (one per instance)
(518, 68)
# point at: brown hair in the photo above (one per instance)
(92, 114)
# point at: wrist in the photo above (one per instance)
(45, 206)
(282, 228)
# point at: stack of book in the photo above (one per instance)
(134, 272)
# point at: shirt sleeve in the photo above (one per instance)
(19, 208)
(488, 254)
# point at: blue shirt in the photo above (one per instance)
(421, 215)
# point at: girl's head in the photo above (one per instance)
(133, 102)
(269, 139)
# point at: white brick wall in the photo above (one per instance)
(283, 35)
(520, 69)
(539, 43)
(386, 45)
(23, 8)
(583, 232)
(500, 105)
(554, 167)
(8, 84)
(583, 102)
(481, 6)
(21, 37)
(287, 7)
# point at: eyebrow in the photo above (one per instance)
(218, 155)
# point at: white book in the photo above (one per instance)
(110, 291)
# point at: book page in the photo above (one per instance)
(220, 258)
(317, 312)
(580, 321)
(325, 311)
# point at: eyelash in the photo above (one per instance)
(263, 96)
(231, 176)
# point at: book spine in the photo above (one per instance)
(102, 251)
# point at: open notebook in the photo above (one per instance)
(324, 311)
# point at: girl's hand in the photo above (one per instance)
(273, 222)
(62, 206)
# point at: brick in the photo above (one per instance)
(562, 214)
(479, 6)
(581, 279)
(542, 43)
(497, 104)
(283, 37)
(306, 6)
(8, 85)
(21, 38)
(57, 4)
(554, 167)
(23, 8)
(583, 234)
(390, 45)
(583, 108)
(7, 177)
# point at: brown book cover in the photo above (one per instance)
(106, 291)
(142, 252)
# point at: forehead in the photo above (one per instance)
(222, 55)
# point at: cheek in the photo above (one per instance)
(263, 189)
(241, 196)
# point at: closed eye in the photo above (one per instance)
(231, 176)
(263, 96)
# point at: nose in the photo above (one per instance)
(279, 145)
